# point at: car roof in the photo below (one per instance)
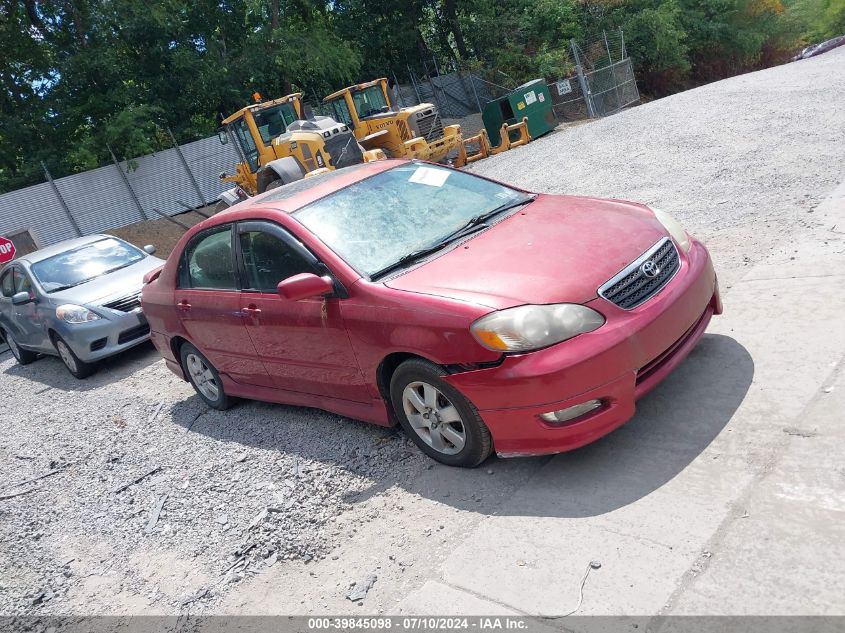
(61, 247)
(292, 197)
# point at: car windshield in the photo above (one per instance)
(375, 222)
(80, 265)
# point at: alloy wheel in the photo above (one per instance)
(434, 418)
(202, 377)
(67, 356)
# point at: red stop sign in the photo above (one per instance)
(7, 250)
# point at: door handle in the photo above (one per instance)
(183, 305)
(251, 310)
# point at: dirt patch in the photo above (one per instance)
(163, 233)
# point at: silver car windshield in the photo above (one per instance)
(84, 264)
(378, 221)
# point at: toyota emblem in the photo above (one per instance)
(650, 269)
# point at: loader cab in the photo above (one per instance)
(254, 127)
(363, 102)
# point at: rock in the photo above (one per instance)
(360, 589)
(222, 519)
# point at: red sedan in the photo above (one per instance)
(479, 316)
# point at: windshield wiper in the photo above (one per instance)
(471, 226)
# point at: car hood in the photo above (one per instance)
(558, 249)
(120, 283)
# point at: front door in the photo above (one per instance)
(30, 317)
(209, 307)
(303, 344)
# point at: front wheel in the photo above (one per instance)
(23, 356)
(441, 421)
(78, 368)
(204, 378)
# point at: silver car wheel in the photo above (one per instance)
(434, 418)
(202, 377)
(67, 356)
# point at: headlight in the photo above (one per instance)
(674, 228)
(530, 327)
(71, 313)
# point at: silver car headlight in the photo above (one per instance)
(674, 228)
(531, 327)
(72, 313)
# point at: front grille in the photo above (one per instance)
(125, 304)
(430, 126)
(132, 334)
(344, 150)
(632, 287)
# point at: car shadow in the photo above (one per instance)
(673, 425)
(50, 372)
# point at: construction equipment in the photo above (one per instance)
(414, 132)
(278, 144)
(505, 133)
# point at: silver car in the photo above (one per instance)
(79, 300)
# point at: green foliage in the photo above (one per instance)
(80, 77)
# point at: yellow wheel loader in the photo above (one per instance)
(414, 132)
(278, 144)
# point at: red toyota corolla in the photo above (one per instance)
(479, 316)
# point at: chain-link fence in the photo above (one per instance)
(603, 83)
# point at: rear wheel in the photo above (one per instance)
(23, 356)
(78, 368)
(204, 378)
(274, 185)
(441, 421)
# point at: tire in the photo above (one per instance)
(275, 184)
(78, 368)
(23, 356)
(456, 435)
(198, 368)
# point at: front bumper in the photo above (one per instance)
(617, 364)
(106, 337)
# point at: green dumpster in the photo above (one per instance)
(532, 100)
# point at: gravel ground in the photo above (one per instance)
(219, 497)
(235, 492)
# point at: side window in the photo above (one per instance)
(7, 285)
(208, 262)
(22, 282)
(268, 260)
(247, 144)
(341, 111)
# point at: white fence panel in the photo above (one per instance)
(100, 200)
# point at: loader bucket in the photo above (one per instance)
(464, 157)
(520, 128)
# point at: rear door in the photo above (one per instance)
(208, 304)
(303, 344)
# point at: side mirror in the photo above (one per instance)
(22, 298)
(304, 286)
(222, 136)
(149, 249)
